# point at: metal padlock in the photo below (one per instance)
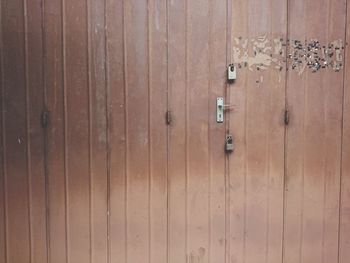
(229, 147)
(231, 73)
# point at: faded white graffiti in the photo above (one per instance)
(262, 53)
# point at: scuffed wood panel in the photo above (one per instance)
(218, 42)
(109, 181)
(117, 129)
(77, 132)
(137, 66)
(16, 141)
(313, 142)
(2, 167)
(197, 66)
(98, 181)
(197, 130)
(178, 142)
(137, 114)
(34, 19)
(256, 168)
(344, 230)
(56, 163)
(23, 191)
(158, 131)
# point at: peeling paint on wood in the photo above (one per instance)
(262, 53)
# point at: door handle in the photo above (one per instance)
(221, 108)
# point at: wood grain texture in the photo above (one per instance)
(197, 66)
(98, 183)
(197, 131)
(217, 44)
(3, 232)
(15, 148)
(34, 48)
(158, 144)
(117, 136)
(344, 228)
(137, 111)
(108, 180)
(314, 141)
(56, 163)
(257, 165)
(178, 142)
(77, 132)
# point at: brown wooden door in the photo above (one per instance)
(314, 138)
(256, 168)
(286, 177)
(110, 148)
(198, 37)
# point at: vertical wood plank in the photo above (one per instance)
(138, 166)
(117, 125)
(15, 148)
(158, 88)
(236, 189)
(314, 140)
(98, 131)
(3, 230)
(77, 131)
(54, 75)
(218, 39)
(333, 123)
(3, 234)
(35, 104)
(197, 131)
(344, 228)
(177, 65)
(294, 157)
(257, 165)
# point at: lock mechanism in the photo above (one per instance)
(229, 147)
(231, 73)
(221, 108)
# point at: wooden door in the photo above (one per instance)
(256, 168)
(286, 169)
(314, 136)
(197, 50)
(110, 148)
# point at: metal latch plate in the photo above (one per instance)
(220, 109)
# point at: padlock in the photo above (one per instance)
(229, 147)
(231, 73)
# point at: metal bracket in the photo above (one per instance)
(286, 117)
(168, 117)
